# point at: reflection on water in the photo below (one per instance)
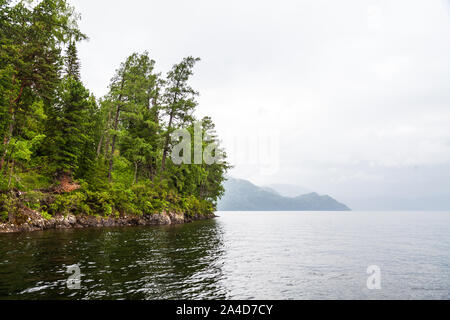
(242, 255)
(119, 263)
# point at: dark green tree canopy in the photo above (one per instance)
(82, 155)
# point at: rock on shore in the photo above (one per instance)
(35, 222)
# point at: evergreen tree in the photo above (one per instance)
(179, 100)
(72, 122)
(135, 93)
(72, 61)
(49, 123)
(140, 142)
(32, 58)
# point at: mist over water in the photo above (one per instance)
(240, 255)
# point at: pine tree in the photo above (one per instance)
(179, 99)
(72, 117)
(135, 93)
(31, 40)
(49, 123)
(72, 61)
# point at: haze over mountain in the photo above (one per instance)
(242, 195)
(288, 190)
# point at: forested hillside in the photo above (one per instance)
(63, 150)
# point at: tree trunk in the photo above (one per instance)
(116, 126)
(166, 144)
(99, 147)
(113, 144)
(108, 136)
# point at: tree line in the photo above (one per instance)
(65, 151)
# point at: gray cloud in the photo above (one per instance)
(358, 90)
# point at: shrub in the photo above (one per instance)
(71, 203)
(33, 199)
(98, 203)
(46, 215)
(124, 201)
(3, 216)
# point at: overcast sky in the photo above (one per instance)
(351, 98)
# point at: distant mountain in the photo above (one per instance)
(271, 190)
(288, 190)
(242, 195)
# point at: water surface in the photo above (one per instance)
(240, 255)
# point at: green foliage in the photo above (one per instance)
(96, 203)
(110, 157)
(8, 205)
(46, 215)
(65, 204)
(4, 207)
(69, 138)
(32, 180)
(33, 199)
(3, 216)
(179, 100)
(193, 206)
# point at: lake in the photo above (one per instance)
(240, 255)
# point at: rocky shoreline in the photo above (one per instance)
(35, 222)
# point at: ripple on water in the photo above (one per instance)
(258, 255)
